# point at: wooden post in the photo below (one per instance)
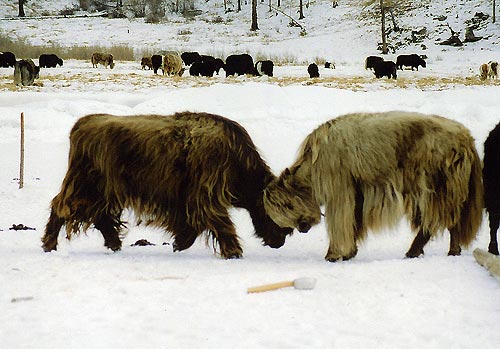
(21, 164)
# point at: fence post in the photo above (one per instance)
(21, 163)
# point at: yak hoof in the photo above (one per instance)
(176, 247)
(233, 256)
(49, 249)
(493, 249)
(115, 248)
(455, 252)
(49, 244)
(413, 254)
(332, 259)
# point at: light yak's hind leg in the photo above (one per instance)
(422, 237)
(455, 248)
(417, 246)
(52, 229)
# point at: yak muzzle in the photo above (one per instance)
(303, 227)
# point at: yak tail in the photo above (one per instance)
(472, 210)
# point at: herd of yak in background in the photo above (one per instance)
(423, 167)
(25, 70)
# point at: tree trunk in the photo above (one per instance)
(301, 10)
(239, 6)
(385, 50)
(254, 26)
(494, 15)
(21, 8)
(394, 24)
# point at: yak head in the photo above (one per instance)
(290, 202)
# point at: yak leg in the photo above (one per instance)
(344, 246)
(223, 231)
(494, 223)
(52, 229)
(184, 238)
(184, 233)
(417, 247)
(109, 227)
(455, 248)
(494, 220)
(341, 252)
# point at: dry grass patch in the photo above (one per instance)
(441, 83)
(22, 49)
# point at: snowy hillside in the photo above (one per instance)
(331, 33)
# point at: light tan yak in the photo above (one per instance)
(106, 59)
(172, 64)
(370, 170)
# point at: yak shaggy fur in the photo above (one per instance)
(180, 172)
(25, 72)
(370, 170)
(172, 64)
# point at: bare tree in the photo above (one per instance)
(385, 50)
(254, 26)
(301, 10)
(154, 10)
(494, 14)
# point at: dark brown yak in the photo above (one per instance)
(180, 172)
(370, 170)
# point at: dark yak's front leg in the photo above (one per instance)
(222, 230)
(184, 237)
(494, 223)
(109, 226)
(52, 229)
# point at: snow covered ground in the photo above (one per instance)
(84, 296)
